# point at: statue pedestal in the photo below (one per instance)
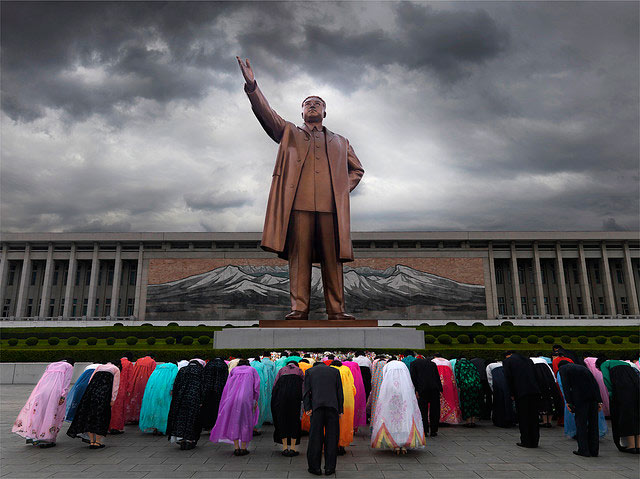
(328, 336)
(313, 323)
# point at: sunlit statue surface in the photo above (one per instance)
(308, 212)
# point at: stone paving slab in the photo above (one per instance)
(485, 452)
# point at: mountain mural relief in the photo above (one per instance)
(262, 292)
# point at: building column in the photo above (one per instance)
(562, 286)
(4, 273)
(537, 278)
(25, 276)
(515, 281)
(609, 297)
(46, 285)
(115, 289)
(629, 281)
(136, 304)
(494, 286)
(93, 281)
(583, 277)
(71, 281)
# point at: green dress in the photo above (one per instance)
(469, 388)
(605, 368)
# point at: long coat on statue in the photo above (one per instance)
(346, 172)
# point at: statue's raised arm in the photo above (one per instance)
(272, 123)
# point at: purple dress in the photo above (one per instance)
(237, 416)
(42, 415)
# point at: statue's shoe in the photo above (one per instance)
(300, 315)
(340, 317)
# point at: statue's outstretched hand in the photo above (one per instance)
(247, 71)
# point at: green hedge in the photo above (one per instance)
(103, 332)
(53, 340)
(92, 341)
(481, 339)
(532, 339)
(583, 339)
(430, 339)
(445, 339)
(32, 341)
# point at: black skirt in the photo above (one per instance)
(285, 407)
(550, 401)
(186, 399)
(94, 411)
(214, 377)
(625, 397)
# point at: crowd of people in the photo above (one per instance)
(329, 396)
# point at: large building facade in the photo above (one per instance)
(399, 277)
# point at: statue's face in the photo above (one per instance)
(313, 109)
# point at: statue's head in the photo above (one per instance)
(313, 109)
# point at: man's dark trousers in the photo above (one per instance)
(527, 408)
(587, 427)
(430, 401)
(324, 430)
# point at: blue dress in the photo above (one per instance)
(570, 429)
(264, 401)
(157, 398)
(75, 394)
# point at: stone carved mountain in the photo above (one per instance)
(259, 291)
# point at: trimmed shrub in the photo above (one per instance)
(118, 324)
(428, 339)
(464, 339)
(498, 338)
(131, 340)
(481, 339)
(583, 339)
(565, 339)
(506, 323)
(532, 339)
(147, 324)
(515, 339)
(204, 340)
(187, 340)
(616, 339)
(170, 340)
(92, 341)
(73, 341)
(634, 338)
(13, 342)
(53, 340)
(111, 341)
(548, 339)
(151, 340)
(32, 341)
(477, 325)
(601, 339)
(452, 323)
(444, 339)
(172, 324)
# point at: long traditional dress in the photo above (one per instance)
(183, 422)
(157, 399)
(40, 419)
(376, 382)
(264, 402)
(286, 403)
(590, 363)
(270, 369)
(469, 388)
(365, 370)
(486, 396)
(449, 403)
(238, 413)
(118, 409)
(570, 429)
(305, 422)
(398, 422)
(503, 412)
(550, 398)
(141, 372)
(77, 391)
(360, 411)
(623, 386)
(346, 420)
(214, 377)
(94, 411)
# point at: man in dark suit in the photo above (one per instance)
(582, 394)
(323, 401)
(426, 380)
(521, 378)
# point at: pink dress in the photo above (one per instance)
(604, 394)
(449, 404)
(42, 415)
(360, 416)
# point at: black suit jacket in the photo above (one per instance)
(520, 376)
(579, 385)
(425, 376)
(322, 388)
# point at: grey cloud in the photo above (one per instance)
(218, 200)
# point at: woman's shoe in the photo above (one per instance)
(236, 452)
(293, 453)
(286, 452)
(244, 452)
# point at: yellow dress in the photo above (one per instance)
(349, 406)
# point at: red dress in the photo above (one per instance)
(124, 392)
(139, 377)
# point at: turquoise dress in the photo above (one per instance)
(157, 398)
(264, 401)
(408, 360)
(270, 368)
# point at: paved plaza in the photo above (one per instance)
(484, 452)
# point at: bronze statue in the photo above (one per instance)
(308, 214)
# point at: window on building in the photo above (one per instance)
(566, 275)
(87, 278)
(509, 275)
(502, 310)
(523, 303)
(5, 308)
(34, 276)
(625, 305)
(74, 307)
(570, 305)
(110, 276)
(130, 307)
(499, 276)
(580, 307)
(547, 306)
(601, 305)
(96, 310)
(85, 305)
(520, 275)
(576, 276)
(119, 307)
(511, 306)
(530, 274)
(64, 277)
(596, 273)
(29, 307)
(619, 275)
(100, 277)
(55, 277)
(61, 310)
(107, 307)
(12, 274)
(534, 305)
(543, 275)
(557, 305)
(78, 277)
(52, 305)
(132, 276)
(553, 275)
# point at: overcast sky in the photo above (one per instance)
(466, 116)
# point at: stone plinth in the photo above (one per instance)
(291, 323)
(353, 338)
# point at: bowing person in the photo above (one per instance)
(285, 407)
(426, 380)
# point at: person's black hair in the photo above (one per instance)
(69, 360)
(284, 354)
(358, 353)
(244, 362)
(117, 363)
(563, 362)
(437, 355)
(304, 361)
(128, 355)
(293, 361)
(335, 362)
(507, 353)
(151, 355)
(556, 346)
(407, 352)
(266, 354)
(330, 356)
(600, 360)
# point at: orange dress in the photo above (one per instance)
(138, 382)
(305, 422)
(349, 406)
